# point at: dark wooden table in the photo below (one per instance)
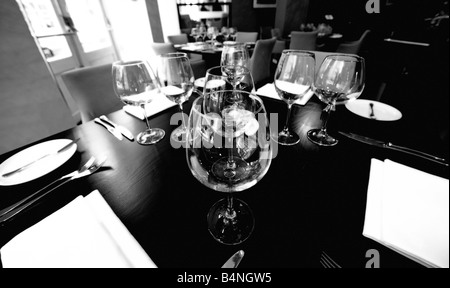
(311, 200)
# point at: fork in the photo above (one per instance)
(91, 166)
(327, 262)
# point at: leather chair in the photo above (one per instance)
(353, 47)
(303, 40)
(245, 37)
(92, 89)
(198, 65)
(260, 62)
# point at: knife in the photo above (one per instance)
(125, 132)
(111, 130)
(65, 148)
(391, 146)
(234, 261)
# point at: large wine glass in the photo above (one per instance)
(229, 150)
(293, 80)
(177, 83)
(340, 78)
(135, 84)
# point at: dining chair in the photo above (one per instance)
(198, 64)
(303, 40)
(261, 60)
(353, 47)
(245, 37)
(92, 89)
(179, 39)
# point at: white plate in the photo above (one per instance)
(41, 167)
(200, 82)
(382, 112)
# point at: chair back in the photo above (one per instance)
(178, 39)
(303, 40)
(244, 37)
(261, 60)
(163, 48)
(92, 89)
(276, 32)
(353, 47)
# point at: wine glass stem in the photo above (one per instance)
(145, 116)
(288, 116)
(325, 116)
(182, 116)
(230, 214)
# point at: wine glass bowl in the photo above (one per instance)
(293, 79)
(229, 150)
(177, 83)
(340, 79)
(234, 54)
(135, 84)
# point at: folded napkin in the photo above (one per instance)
(408, 211)
(157, 105)
(268, 90)
(83, 234)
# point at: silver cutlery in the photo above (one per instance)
(234, 260)
(327, 262)
(65, 148)
(125, 132)
(111, 130)
(90, 167)
(392, 146)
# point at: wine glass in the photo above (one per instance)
(135, 84)
(340, 78)
(177, 83)
(216, 79)
(293, 80)
(229, 150)
(235, 62)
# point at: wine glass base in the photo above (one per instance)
(321, 138)
(230, 228)
(178, 135)
(150, 136)
(286, 138)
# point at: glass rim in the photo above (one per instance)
(220, 67)
(250, 94)
(174, 55)
(129, 62)
(347, 57)
(296, 51)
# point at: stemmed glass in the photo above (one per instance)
(340, 78)
(177, 83)
(229, 150)
(293, 80)
(235, 62)
(135, 84)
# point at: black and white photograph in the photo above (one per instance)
(196, 135)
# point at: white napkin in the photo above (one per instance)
(83, 234)
(268, 90)
(408, 211)
(157, 105)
